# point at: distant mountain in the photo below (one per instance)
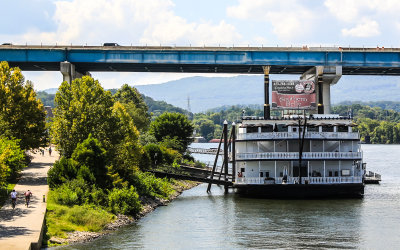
(50, 91)
(210, 92)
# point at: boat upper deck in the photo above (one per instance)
(318, 127)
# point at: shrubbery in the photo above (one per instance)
(124, 201)
(148, 185)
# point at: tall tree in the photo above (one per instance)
(22, 115)
(173, 126)
(134, 105)
(82, 108)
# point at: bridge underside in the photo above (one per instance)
(196, 68)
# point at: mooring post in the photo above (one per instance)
(226, 154)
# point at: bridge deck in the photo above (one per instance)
(242, 60)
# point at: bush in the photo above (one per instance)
(124, 201)
(170, 155)
(62, 171)
(71, 193)
(98, 197)
(149, 185)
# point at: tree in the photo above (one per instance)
(134, 105)
(22, 115)
(207, 129)
(175, 126)
(83, 108)
(12, 159)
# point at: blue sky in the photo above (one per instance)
(345, 23)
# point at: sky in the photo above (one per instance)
(354, 23)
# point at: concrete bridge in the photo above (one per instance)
(324, 65)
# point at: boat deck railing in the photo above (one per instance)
(295, 155)
(295, 180)
(295, 135)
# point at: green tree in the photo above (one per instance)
(12, 159)
(83, 108)
(175, 126)
(22, 115)
(135, 106)
(207, 129)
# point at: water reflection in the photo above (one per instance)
(297, 223)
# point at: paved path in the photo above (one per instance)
(22, 226)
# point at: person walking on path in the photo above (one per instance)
(13, 195)
(28, 195)
(50, 151)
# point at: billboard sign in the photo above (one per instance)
(293, 94)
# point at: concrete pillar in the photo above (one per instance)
(69, 72)
(323, 77)
(331, 75)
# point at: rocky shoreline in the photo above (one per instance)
(149, 204)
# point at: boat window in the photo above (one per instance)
(252, 129)
(242, 170)
(261, 174)
(312, 129)
(282, 128)
(330, 174)
(327, 129)
(266, 174)
(281, 174)
(268, 128)
(343, 129)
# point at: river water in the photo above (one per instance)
(197, 220)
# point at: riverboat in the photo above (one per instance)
(299, 156)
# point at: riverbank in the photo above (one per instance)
(148, 205)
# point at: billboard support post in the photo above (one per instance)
(267, 108)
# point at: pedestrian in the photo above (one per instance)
(50, 151)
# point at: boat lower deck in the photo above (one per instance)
(301, 191)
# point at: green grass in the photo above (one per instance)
(61, 219)
(5, 193)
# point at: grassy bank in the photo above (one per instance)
(63, 219)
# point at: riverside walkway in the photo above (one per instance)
(21, 228)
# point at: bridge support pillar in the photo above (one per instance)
(69, 72)
(324, 77)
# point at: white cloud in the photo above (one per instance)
(128, 22)
(344, 10)
(367, 28)
(289, 18)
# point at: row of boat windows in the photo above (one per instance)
(284, 128)
(314, 174)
